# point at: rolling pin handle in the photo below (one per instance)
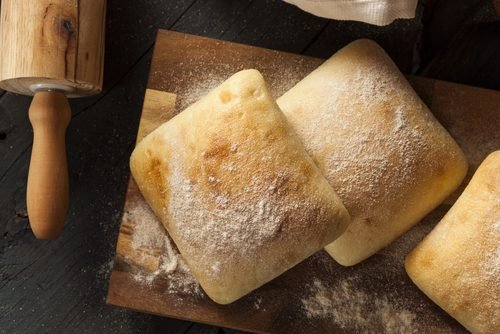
(47, 195)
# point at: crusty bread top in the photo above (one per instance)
(458, 264)
(376, 142)
(236, 190)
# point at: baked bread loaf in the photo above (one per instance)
(379, 146)
(236, 190)
(458, 264)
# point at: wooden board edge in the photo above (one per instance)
(119, 278)
(154, 101)
(412, 78)
(167, 33)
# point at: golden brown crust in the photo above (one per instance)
(458, 264)
(381, 149)
(236, 190)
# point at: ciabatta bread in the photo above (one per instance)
(379, 146)
(458, 264)
(236, 190)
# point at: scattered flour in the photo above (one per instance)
(193, 93)
(151, 241)
(354, 310)
(258, 304)
(280, 76)
(105, 269)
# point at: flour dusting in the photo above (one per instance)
(352, 309)
(490, 264)
(152, 244)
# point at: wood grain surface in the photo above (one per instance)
(183, 69)
(53, 42)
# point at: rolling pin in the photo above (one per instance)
(52, 50)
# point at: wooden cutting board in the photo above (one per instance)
(318, 295)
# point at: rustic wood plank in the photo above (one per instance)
(399, 39)
(15, 125)
(461, 61)
(460, 44)
(131, 28)
(273, 24)
(203, 329)
(442, 19)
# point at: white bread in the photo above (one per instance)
(379, 146)
(236, 190)
(458, 264)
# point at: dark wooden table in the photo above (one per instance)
(60, 286)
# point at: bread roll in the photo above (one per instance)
(236, 190)
(379, 146)
(458, 264)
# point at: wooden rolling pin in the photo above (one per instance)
(52, 49)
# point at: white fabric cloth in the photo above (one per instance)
(378, 12)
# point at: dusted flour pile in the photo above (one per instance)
(152, 244)
(354, 310)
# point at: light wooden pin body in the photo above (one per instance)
(48, 189)
(51, 44)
